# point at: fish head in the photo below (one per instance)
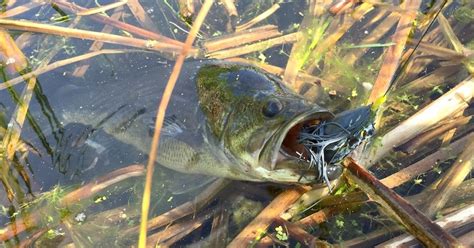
(256, 119)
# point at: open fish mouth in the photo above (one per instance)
(314, 143)
(283, 151)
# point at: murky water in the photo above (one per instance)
(79, 128)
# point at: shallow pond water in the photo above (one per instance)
(81, 128)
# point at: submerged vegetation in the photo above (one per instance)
(413, 62)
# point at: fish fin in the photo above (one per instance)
(172, 126)
(119, 120)
(185, 183)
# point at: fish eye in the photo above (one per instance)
(272, 107)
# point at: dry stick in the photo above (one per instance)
(90, 35)
(453, 101)
(141, 15)
(258, 18)
(161, 115)
(259, 46)
(411, 146)
(394, 53)
(426, 163)
(118, 24)
(442, 190)
(56, 65)
(238, 39)
(73, 197)
(266, 217)
(185, 209)
(20, 9)
(460, 218)
(101, 9)
(81, 70)
(416, 223)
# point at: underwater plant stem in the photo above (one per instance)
(427, 163)
(259, 46)
(175, 232)
(259, 224)
(442, 129)
(86, 191)
(81, 70)
(443, 189)
(258, 18)
(454, 41)
(450, 222)
(160, 116)
(295, 231)
(452, 102)
(141, 15)
(429, 233)
(241, 38)
(394, 53)
(184, 209)
(101, 9)
(20, 9)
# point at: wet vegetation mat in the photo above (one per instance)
(76, 170)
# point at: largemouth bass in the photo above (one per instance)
(225, 120)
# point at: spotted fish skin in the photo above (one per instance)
(224, 119)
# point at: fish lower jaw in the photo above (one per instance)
(283, 176)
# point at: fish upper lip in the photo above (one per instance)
(275, 143)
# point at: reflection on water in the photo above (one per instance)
(80, 129)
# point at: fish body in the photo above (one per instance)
(224, 119)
